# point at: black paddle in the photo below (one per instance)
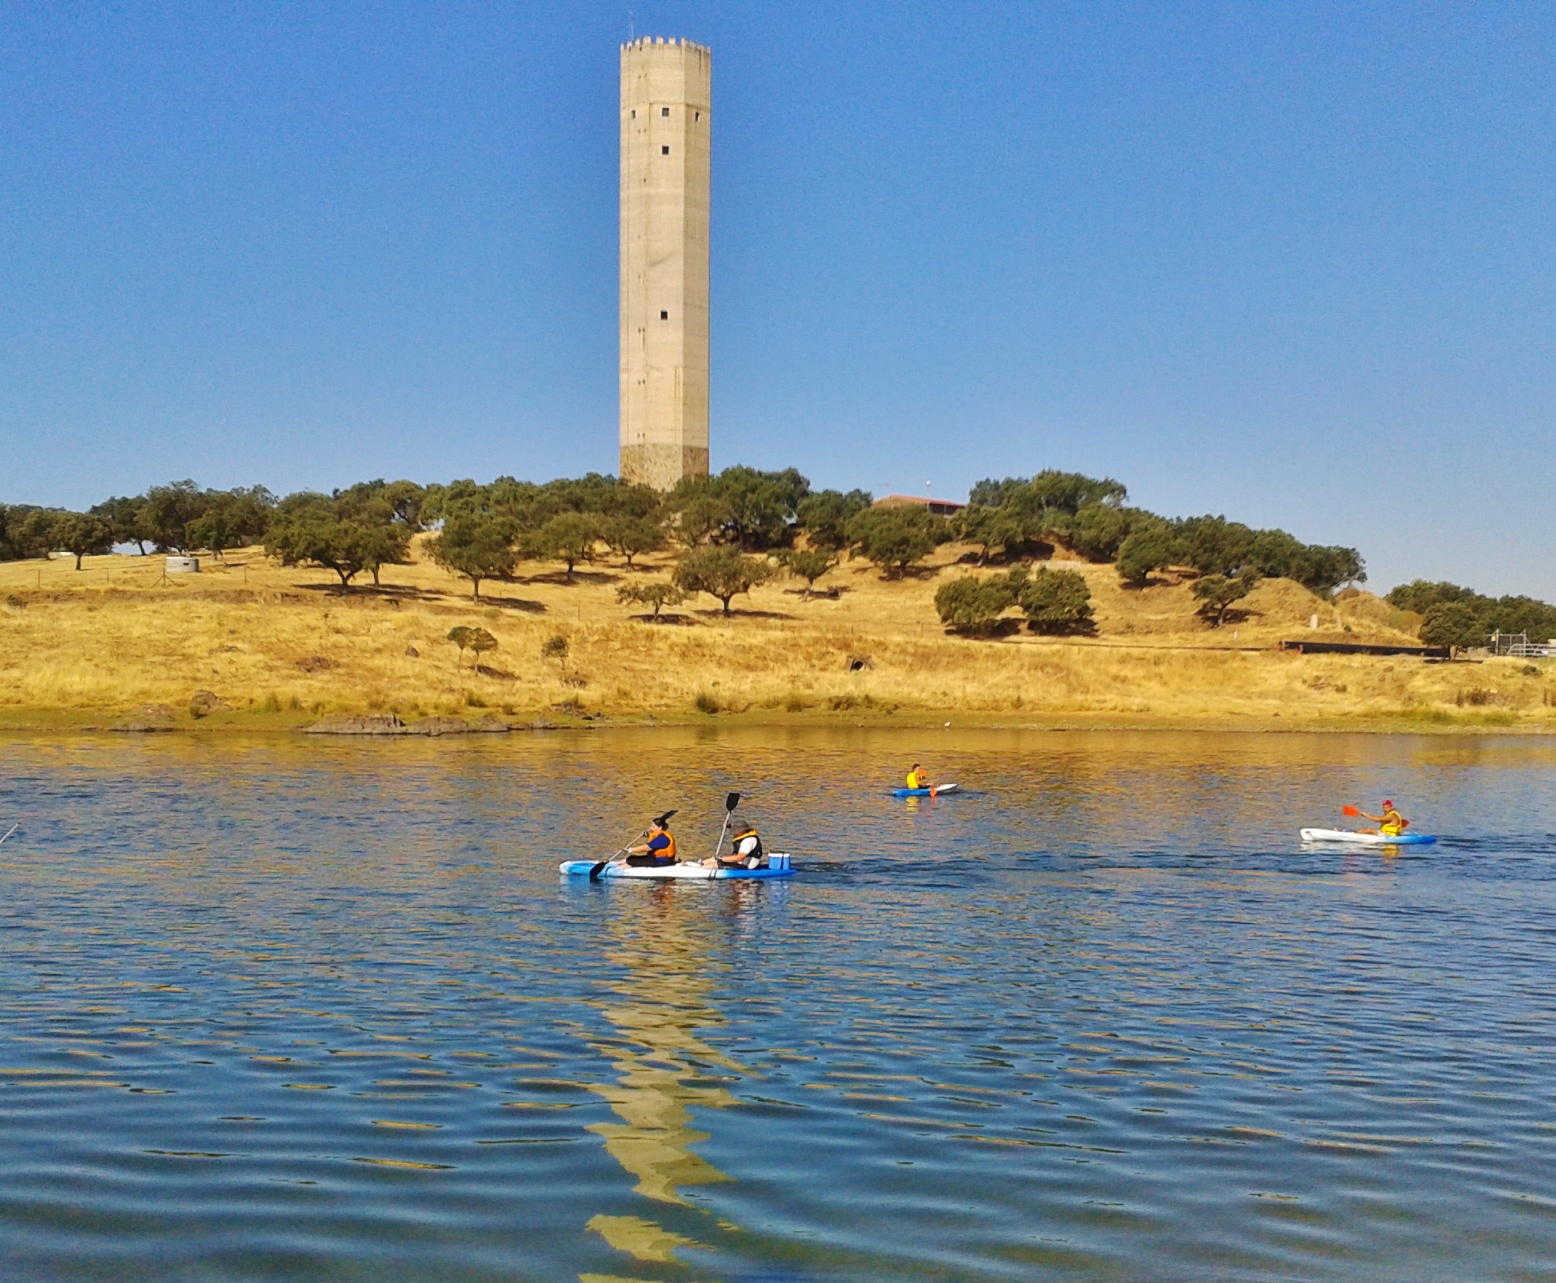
(731, 801)
(594, 873)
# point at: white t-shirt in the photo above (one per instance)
(747, 845)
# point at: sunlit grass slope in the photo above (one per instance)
(118, 640)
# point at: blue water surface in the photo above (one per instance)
(323, 1010)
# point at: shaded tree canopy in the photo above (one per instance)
(568, 537)
(824, 515)
(83, 534)
(1057, 602)
(743, 506)
(973, 606)
(478, 545)
(896, 539)
(1217, 593)
(1512, 614)
(657, 595)
(722, 572)
(343, 534)
(808, 565)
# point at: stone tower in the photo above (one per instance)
(665, 123)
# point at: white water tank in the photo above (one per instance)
(183, 565)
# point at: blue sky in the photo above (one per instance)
(1293, 263)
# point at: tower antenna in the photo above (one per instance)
(631, 31)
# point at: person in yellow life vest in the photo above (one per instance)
(747, 852)
(1390, 824)
(659, 849)
(918, 778)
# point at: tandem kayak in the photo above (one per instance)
(778, 866)
(937, 791)
(1367, 839)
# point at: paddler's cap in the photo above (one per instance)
(660, 821)
(1388, 802)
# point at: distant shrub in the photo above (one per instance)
(1056, 602)
(809, 565)
(973, 606)
(1453, 623)
(1217, 593)
(706, 703)
(658, 595)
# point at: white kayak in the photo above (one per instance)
(1367, 839)
(778, 865)
(938, 791)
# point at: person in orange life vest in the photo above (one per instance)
(660, 847)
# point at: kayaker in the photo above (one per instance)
(747, 852)
(918, 778)
(659, 849)
(1390, 824)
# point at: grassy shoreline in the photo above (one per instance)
(276, 649)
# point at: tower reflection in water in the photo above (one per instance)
(668, 950)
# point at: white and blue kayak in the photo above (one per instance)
(938, 791)
(778, 865)
(1367, 839)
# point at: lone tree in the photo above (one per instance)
(481, 642)
(895, 539)
(461, 636)
(996, 531)
(167, 512)
(568, 538)
(314, 528)
(721, 572)
(1217, 593)
(658, 595)
(555, 648)
(973, 606)
(629, 537)
(1151, 545)
(824, 516)
(123, 512)
(1453, 623)
(809, 565)
(476, 545)
(1055, 601)
(83, 534)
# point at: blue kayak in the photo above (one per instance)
(1367, 839)
(778, 866)
(938, 791)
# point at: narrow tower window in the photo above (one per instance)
(664, 316)
(664, 111)
(664, 151)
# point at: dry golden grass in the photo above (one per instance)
(100, 645)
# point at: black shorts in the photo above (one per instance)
(647, 861)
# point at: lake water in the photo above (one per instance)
(275, 1009)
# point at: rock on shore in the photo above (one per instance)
(389, 724)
